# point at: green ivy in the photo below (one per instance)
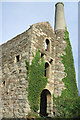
(36, 79)
(68, 102)
(70, 79)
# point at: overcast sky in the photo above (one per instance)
(17, 17)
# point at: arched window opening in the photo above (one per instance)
(47, 45)
(46, 70)
(45, 103)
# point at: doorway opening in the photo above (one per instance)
(45, 103)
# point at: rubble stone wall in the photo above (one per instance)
(59, 66)
(14, 53)
(14, 83)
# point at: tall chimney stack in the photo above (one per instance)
(59, 17)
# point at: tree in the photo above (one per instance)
(36, 80)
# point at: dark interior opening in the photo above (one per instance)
(42, 54)
(47, 45)
(50, 61)
(20, 71)
(54, 113)
(4, 83)
(47, 41)
(46, 70)
(43, 102)
(7, 93)
(18, 58)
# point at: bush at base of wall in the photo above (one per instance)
(36, 79)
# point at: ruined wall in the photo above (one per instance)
(59, 73)
(41, 32)
(14, 84)
(14, 53)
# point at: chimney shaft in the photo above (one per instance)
(59, 17)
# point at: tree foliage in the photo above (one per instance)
(36, 79)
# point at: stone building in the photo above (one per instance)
(14, 101)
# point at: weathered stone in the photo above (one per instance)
(13, 75)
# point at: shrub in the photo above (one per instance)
(36, 79)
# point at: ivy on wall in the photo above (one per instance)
(36, 79)
(68, 103)
(70, 79)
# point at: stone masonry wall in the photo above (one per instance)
(14, 83)
(41, 32)
(14, 53)
(59, 66)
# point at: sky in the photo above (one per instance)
(18, 16)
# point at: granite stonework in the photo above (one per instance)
(14, 94)
(59, 73)
(14, 85)
(13, 74)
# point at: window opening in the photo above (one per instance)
(18, 58)
(4, 83)
(20, 71)
(47, 45)
(54, 113)
(42, 54)
(46, 73)
(50, 61)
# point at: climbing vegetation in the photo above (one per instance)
(68, 104)
(36, 79)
